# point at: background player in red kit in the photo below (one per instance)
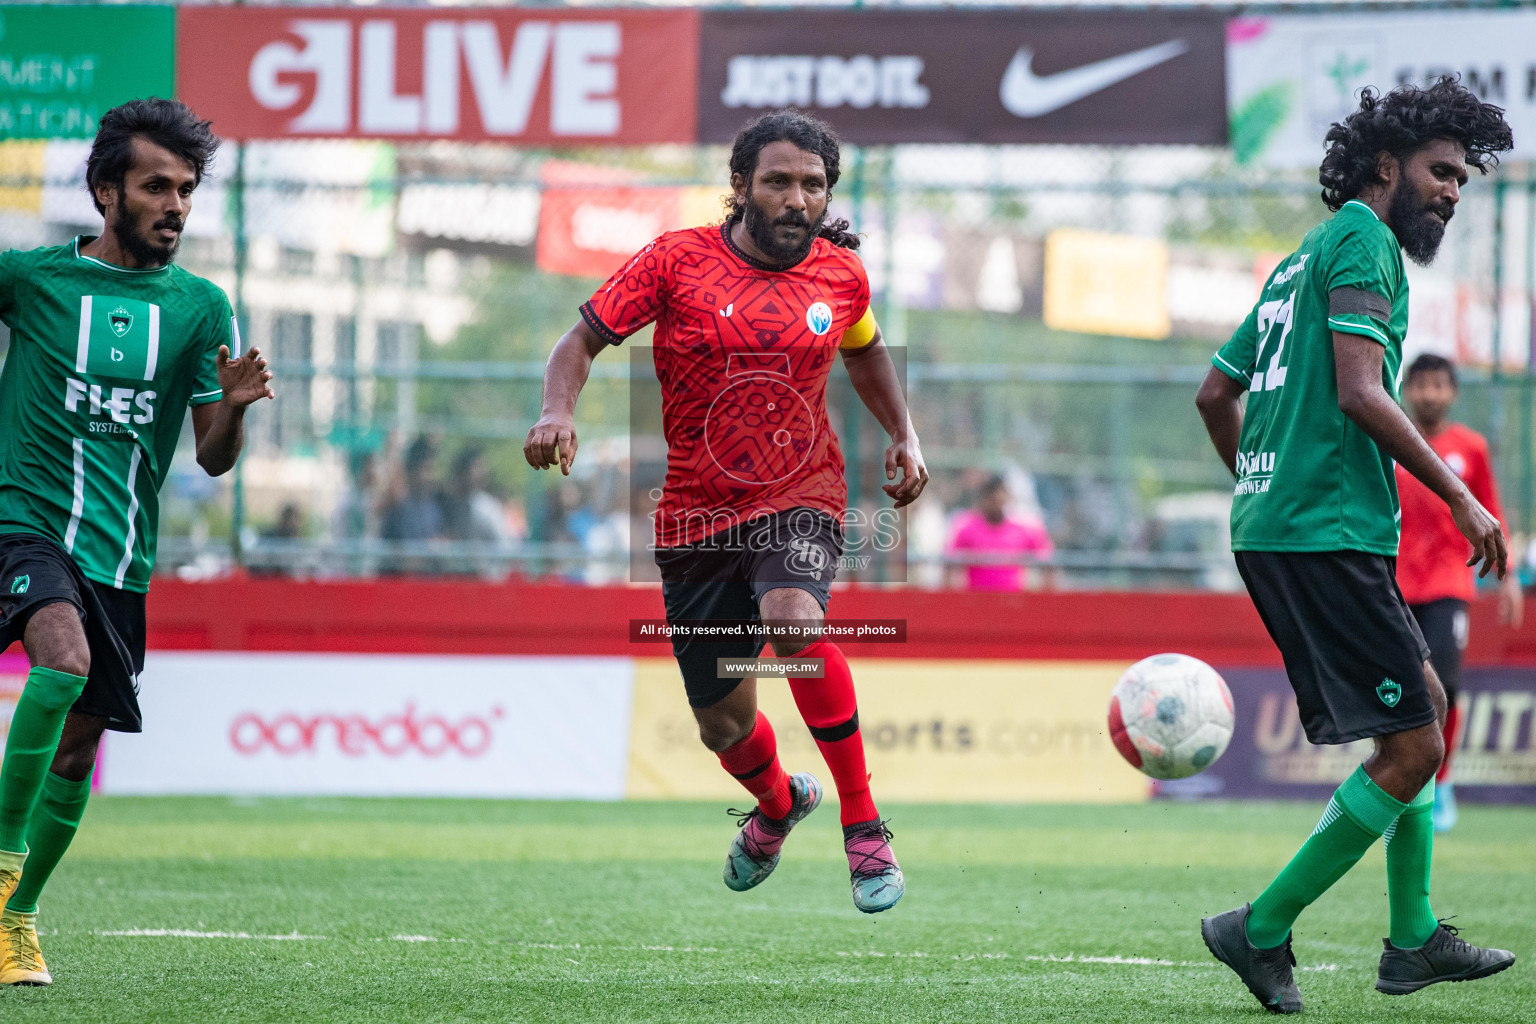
(1432, 560)
(749, 316)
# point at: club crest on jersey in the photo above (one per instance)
(819, 318)
(121, 321)
(1389, 692)
(20, 584)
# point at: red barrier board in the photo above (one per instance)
(591, 224)
(469, 617)
(529, 76)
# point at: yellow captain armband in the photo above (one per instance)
(861, 333)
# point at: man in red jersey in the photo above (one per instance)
(1432, 562)
(749, 315)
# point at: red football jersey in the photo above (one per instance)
(1432, 557)
(742, 351)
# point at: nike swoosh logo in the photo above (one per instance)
(1026, 94)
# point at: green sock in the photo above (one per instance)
(36, 726)
(1358, 814)
(54, 821)
(1410, 841)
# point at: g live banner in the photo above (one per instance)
(884, 76)
(541, 77)
(61, 68)
(1289, 78)
(1495, 761)
(374, 725)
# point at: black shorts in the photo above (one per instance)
(1444, 625)
(723, 577)
(34, 571)
(1353, 653)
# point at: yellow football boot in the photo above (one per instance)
(10, 873)
(21, 961)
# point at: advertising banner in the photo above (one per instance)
(883, 76)
(62, 67)
(386, 725)
(1290, 77)
(1100, 283)
(942, 731)
(534, 77)
(13, 677)
(1495, 761)
(591, 221)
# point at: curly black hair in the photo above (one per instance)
(809, 133)
(1400, 122)
(167, 123)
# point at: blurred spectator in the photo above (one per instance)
(413, 509)
(275, 551)
(473, 516)
(289, 525)
(990, 530)
(357, 513)
(469, 511)
(514, 517)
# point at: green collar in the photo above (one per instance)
(113, 267)
(1363, 206)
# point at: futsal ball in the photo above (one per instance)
(1171, 716)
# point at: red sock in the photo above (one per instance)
(1452, 733)
(831, 712)
(754, 762)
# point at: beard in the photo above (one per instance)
(762, 232)
(145, 251)
(1418, 230)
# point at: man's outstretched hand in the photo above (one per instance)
(245, 379)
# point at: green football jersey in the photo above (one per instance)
(1308, 478)
(103, 363)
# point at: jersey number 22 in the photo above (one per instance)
(1274, 328)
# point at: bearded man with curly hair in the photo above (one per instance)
(1315, 521)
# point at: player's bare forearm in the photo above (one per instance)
(219, 428)
(1220, 401)
(873, 375)
(1364, 399)
(569, 365)
(552, 440)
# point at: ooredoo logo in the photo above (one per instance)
(429, 735)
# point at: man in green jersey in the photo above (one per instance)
(1315, 521)
(111, 343)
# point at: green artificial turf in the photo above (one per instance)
(435, 910)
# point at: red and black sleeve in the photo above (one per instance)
(632, 297)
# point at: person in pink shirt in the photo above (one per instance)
(988, 529)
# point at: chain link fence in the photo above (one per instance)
(1057, 307)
